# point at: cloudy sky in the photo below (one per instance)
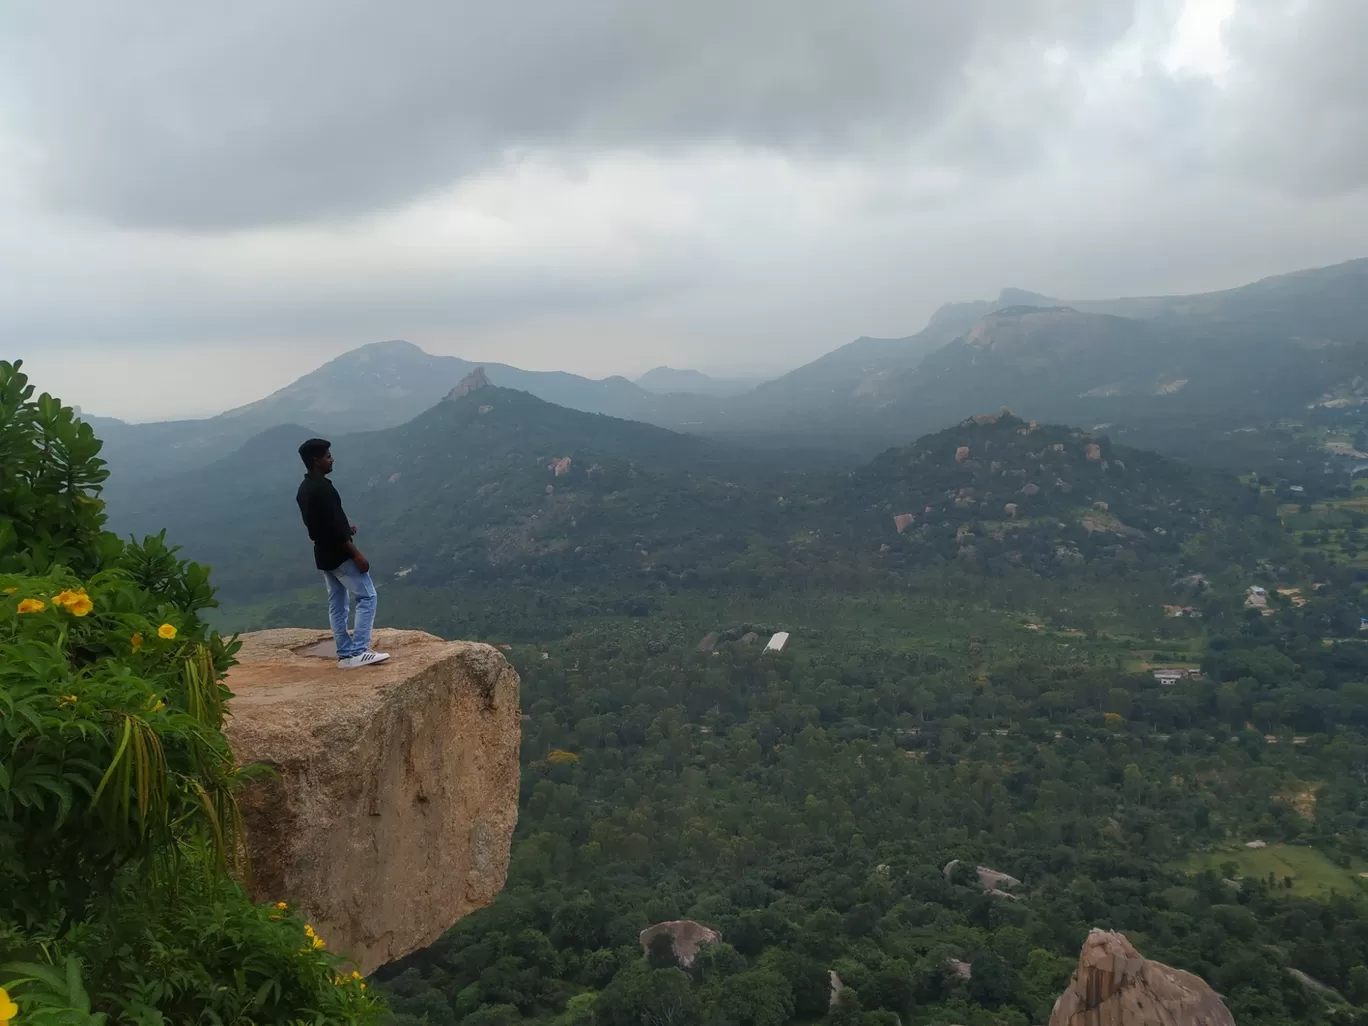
(201, 201)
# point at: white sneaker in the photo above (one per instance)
(364, 659)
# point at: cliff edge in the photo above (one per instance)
(395, 791)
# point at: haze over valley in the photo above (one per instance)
(865, 509)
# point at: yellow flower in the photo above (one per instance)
(77, 602)
(159, 706)
(66, 701)
(281, 905)
(166, 631)
(32, 606)
(10, 591)
(309, 932)
(8, 1009)
(136, 642)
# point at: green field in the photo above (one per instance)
(1313, 875)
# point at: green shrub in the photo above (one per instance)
(120, 840)
(50, 476)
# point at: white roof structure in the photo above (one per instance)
(777, 643)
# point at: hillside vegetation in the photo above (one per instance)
(972, 618)
(119, 830)
(467, 500)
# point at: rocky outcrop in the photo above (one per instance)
(472, 382)
(989, 879)
(903, 521)
(395, 788)
(686, 937)
(1114, 985)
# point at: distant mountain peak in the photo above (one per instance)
(472, 382)
(1023, 297)
(389, 350)
(1030, 310)
(666, 379)
(1020, 322)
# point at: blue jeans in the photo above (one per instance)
(344, 581)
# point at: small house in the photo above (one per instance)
(1170, 675)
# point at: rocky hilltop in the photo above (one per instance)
(1114, 985)
(394, 791)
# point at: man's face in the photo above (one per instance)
(324, 463)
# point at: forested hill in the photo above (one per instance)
(997, 491)
(479, 484)
(500, 492)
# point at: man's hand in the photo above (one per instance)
(362, 563)
(353, 529)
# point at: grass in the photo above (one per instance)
(1313, 875)
(1330, 525)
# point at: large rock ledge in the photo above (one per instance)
(1114, 985)
(395, 790)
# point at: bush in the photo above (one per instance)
(119, 833)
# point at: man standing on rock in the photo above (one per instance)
(345, 569)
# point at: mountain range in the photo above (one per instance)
(379, 385)
(495, 490)
(667, 380)
(1193, 375)
(1181, 373)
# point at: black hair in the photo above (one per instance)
(312, 449)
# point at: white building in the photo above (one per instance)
(777, 643)
(1170, 675)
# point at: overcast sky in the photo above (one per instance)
(202, 201)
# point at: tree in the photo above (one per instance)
(1357, 988)
(119, 832)
(992, 982)
(646, 997)
(661, 951)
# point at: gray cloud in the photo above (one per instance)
(167, 114)
(208, 199)
(1299, 96)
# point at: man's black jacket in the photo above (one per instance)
(321, 508)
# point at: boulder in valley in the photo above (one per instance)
(686, 936)
(1114, 985)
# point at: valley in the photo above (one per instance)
(975, 622)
